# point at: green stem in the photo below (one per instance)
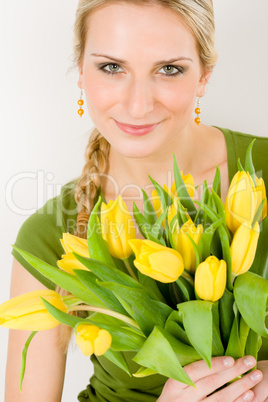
(188, 277)
(129, 269)
(105, 311)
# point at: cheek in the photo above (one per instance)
(99, 95)
(179, 98)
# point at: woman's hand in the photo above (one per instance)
(261, 389)
(224, 370)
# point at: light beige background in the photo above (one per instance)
(43, 138)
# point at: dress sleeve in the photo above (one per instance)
(40, 234)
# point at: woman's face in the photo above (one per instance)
(140, 67)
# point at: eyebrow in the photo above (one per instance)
(155, 64)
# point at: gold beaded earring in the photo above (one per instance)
(197, 111)
(80, 103)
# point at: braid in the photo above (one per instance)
(97, 159)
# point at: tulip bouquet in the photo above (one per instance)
(182, 293)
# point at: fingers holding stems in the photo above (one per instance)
(223, 370)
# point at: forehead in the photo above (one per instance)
(149, 29)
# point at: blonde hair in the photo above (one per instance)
(198, 15)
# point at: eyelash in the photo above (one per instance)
(180, 69)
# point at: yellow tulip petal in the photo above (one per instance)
(85, 345)
(69, 262)
(136, 245)
(220, 281)
(102, 343)
(157, 203)
(243, 247)
(241, 201)
(38, 321)
(261, 195)
(204, 281)
(28, 311)
(158, 276)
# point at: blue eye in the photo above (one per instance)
(172, 71)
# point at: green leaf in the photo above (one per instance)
(149, 211)
(165, 199)
(23, 357)
(253, 344)
(185, 287)
(150, 284)
(200, 216)
(108, 273)
(60, 316)
(239, 166)
(243, 332)
(144, 372)
(145, 227)
(118, 359)
(249, 167)
(219, 204)
(106, 296)
(182, 212)
(196, 250)
(182, 192)
(217, 182)
(217, 346)
(157, 228)
(260, 263)
(174, 325)
(204, 245)
(227, 315)
(158, 354)
(197, 321)
(251, 295)
(97, 246)
(146, 311)
(234, 347)
(65, 280)
(123, 338)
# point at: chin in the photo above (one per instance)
(135, 151)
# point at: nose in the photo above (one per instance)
(139, 98)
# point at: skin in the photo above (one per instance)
(139, 94)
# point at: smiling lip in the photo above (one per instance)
(136, 130)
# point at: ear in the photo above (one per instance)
(81, 76)
(201, 88)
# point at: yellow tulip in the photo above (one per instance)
(241, 201)
(261, 195)
(71, 244)
(69, 262)
(172, 211)
(117, 228)
(210, 279)
(28, 311)
(243, 247)
(156, 203)
(159, 262)
(189, 184)
(183, 244)
(91, 339)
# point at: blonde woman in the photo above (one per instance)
(142, 66)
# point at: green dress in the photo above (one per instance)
(40, 235)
